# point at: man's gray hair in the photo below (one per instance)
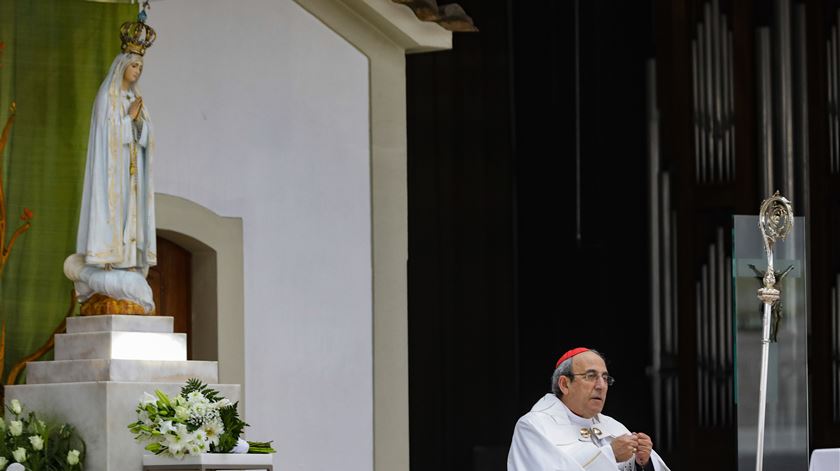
(565, 369)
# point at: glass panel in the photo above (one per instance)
(786, 429)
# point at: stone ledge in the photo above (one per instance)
(121, 346)
(119, 323)
(76, 371)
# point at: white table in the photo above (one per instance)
(209, 462)
(826, 459)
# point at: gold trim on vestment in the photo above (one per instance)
(593, 459)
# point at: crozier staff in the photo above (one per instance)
(566, 431)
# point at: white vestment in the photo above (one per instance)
(552, 438)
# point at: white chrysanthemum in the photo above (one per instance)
(15, 428)
(213, 430)
(3, 462)
(16, 407)
(197, 444)
(195, 396)
(73, 457)
(200, 439)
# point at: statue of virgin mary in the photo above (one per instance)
(116, 244)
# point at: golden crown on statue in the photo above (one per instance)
(136, 36)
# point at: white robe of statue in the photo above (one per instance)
(117, 218)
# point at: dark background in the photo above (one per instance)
(520, 250)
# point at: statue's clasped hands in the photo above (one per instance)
(135, 107)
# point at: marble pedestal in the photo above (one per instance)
(101, 412)
(101, 371)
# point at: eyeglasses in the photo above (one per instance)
(591, 377)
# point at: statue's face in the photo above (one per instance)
(133, 71)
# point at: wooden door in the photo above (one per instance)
(170, 282)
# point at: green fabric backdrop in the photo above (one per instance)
(57, 53)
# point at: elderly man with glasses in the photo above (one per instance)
(565, 430)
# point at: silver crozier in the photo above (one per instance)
(775, 221)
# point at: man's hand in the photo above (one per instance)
(645, 448)
(624, 447)
(134, 108)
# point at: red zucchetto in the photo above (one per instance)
(570, 354)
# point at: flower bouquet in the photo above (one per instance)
(197, 420)
(38, 445)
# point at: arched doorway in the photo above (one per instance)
(216, 281)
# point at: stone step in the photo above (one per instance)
(76, 371)
(119, 323)
(121, 346)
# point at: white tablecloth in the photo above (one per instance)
(827, 459)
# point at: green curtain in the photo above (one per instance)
(56, 54)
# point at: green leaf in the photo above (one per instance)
(194, 385)
(233, 428)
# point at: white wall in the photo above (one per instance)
(261, 112)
